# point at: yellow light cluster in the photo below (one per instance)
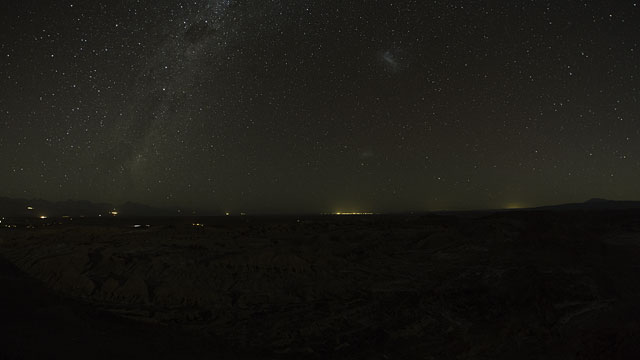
(198, 224)
(114, 213)
(353, 213)
(515, 206)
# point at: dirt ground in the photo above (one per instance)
(526, 285)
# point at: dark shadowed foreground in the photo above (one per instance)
(525, 285)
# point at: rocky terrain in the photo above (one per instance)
(532, 285)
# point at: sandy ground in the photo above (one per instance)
(535, 285)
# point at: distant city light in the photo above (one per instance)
(43, 217)
(353, 213)
(515, 206)
(198, 224)
(114, 213)
(29, 208)
(227, 213)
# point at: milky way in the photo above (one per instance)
(320, 106)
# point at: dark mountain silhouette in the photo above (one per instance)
(135, 209)
(595, 204)
(10, 207)
(40, 207)
(597, 201)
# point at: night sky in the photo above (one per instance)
(320, 105)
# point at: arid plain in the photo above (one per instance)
(521, 284)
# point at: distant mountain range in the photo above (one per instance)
(594, 204)
(10, 207)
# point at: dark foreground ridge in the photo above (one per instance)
(522, 284)
(38, 323)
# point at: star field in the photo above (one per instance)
(279, 106)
